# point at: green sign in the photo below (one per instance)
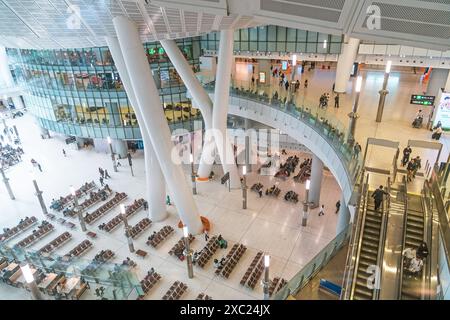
(422, 100)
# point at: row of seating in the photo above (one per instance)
(256, 275)
(276, 285)
(203, 296)
(150, 281)
(103, 256)
(22, 226)
(251, 268)
(179, 247)
(91, 217)
(142, 225)
(157, 238)
(304, 173)
(129, 211)
(42, 230)
(63, 201)
(207, 252)
(56, 243)
(94, 197)
(80, 249)
(232, 260)
(175, 291)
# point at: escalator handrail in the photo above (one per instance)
(349, 261)
(405, 223)
(359, 237)
(382, 242)
(428, 235)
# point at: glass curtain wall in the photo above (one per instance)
(277, 39)
(79, 91)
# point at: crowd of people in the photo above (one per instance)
(412, 165)
(9, 155)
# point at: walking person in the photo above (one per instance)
(356, 150)
(410, 170)
(336, 101)
(306, 84)
(146, 205)
(101, 182)
(168, 200)
(377, 195)
(39, 167)
(406, 153)
(322, 211)
(107, 174)
(64, 153)
(338, 206)
(102, 172)
(206, 235)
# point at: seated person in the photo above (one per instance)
(150, 238)
(217, 264)
(150, 272)
(102, 226)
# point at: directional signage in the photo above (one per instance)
(422, 100)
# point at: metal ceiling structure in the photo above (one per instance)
(84, 23)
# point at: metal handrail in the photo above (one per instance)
(353, 236)
(359, 237)
(382, 242)
(405, 222)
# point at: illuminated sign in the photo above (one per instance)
(443, 110)
(422, 100)
(284, 65)
(262, 77)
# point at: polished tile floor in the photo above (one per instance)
(270, 225)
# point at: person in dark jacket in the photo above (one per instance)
(422, 251)
(406, 154)
(377, 195)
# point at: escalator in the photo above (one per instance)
(410, 286)
(368, 254)
(368, 246)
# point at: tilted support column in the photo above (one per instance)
(156, 187)
(343, 216)
(220, 110)
(316, 182)
(149, 103)
(201, 98)
(345, 63)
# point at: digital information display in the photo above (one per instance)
(284, 65)
(422, 100)
(443, 110)
(262, 77)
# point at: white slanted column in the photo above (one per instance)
(220, 111)
(316, 181)
(345, 63)
(156, 187)
(343, 216)
(149, 103)
(201, 97)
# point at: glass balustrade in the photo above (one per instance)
(311, 269)
(300, 107)
(119, 281)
